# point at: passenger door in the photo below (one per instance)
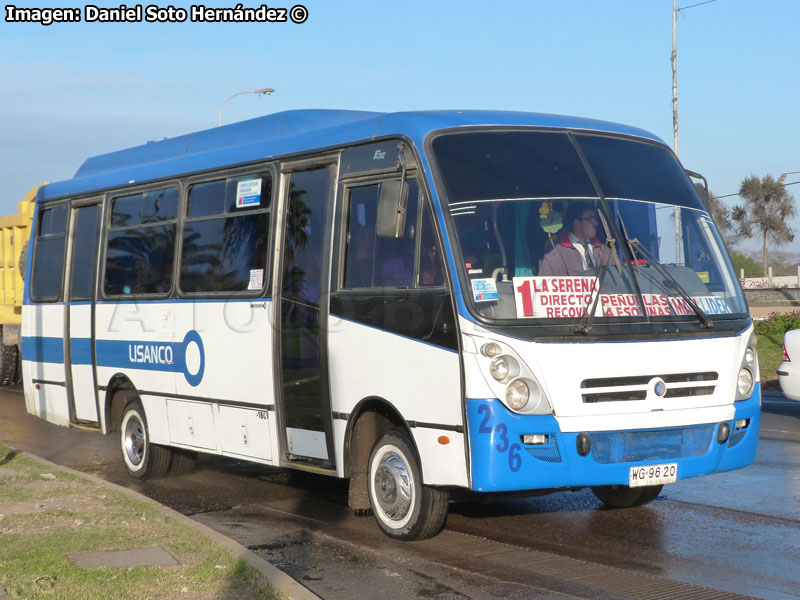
(81, 289)
(302, 310)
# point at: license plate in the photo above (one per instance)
(653, 475)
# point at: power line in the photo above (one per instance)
(737, 193)
(693, 5)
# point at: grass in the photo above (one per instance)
(46, 514)
(770, 355)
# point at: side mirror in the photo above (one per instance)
(700, 186)
(392, 204)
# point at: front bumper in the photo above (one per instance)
(500, 461)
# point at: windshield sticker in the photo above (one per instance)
(248, 193)
(484, 290)
(573, 297)
(256, 279)
(475, 271)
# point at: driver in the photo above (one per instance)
(578, 249)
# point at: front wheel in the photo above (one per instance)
(623, 496)
(404, 508)
(143, 459)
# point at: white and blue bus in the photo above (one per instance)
(420, 302)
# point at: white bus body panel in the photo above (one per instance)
(50, 401)
(420, 380)
(237, 368)
(245, 432)
(144, 322)
(82, 374)
(228, 359)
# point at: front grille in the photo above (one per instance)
(684, 392)
(655, 444)
(615, 397)
(625, 389)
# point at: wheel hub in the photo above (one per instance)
(134, 441)
(393, 486)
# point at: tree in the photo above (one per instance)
(767, 206)
(722, 218)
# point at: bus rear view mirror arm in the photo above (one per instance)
(392, 204)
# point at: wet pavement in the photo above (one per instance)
(716, 536)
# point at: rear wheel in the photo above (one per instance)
(183, 461)
(623, 496)
(143, 459)
(9, 358)
(404, 508)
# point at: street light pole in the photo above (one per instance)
(264, 91)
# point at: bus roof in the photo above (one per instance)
(286, 133)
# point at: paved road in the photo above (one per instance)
(735, 532)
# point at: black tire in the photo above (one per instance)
(23, 260)
(623, 496)
(9, 360)
(143, 459)
(183, 461)
(403, 506)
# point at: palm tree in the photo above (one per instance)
(767, 206)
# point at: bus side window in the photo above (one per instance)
(360, 257)
(373, 261)
(48, 254)
(226, 235)
(141, 243)
(431, 272)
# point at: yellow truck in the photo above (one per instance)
(14, 233)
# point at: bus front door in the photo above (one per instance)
(303, 393)
(80, 334)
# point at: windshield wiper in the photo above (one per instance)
(584, 325)
(634, 244)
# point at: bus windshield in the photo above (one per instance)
(570, 228)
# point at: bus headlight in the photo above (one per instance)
(491, 350)
(503, 368)
(745, 383)
(517, 394)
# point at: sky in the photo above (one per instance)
(75, 90)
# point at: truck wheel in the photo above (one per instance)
(8, 364)
(143, 459)
(623, 496)
(23, 260)
(404, 508)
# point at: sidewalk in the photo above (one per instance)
(762, 312)
(67, 534)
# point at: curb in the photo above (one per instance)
(276, 578)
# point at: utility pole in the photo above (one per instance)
(674, 60)
(678, 226)
(675, 74)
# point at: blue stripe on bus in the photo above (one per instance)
(43, 349)
(81, 351)
(169, 357)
